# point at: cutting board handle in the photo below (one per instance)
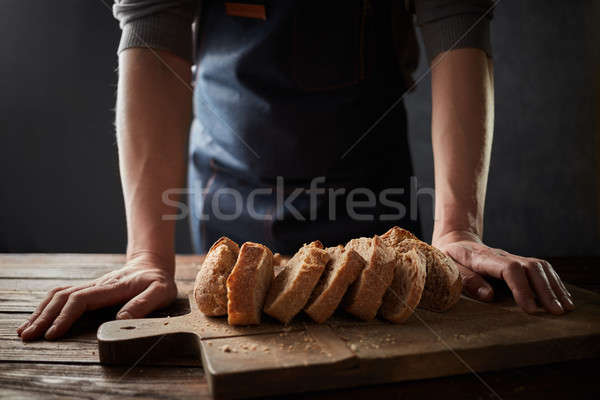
(131, 329)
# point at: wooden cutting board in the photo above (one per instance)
(274, 359)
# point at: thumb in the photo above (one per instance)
(155, 296)
(474, 285)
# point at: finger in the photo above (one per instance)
(541, 284)
(39, 309)
(499, 265)
(560, 282)
(557, 286)
(516, 278)
(44, 320)
(90, 298)
(474, 285)
(155, 296)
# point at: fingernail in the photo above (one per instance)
(124, 315)
(484, 293)
(569, 305)
(557, 306)
(22, 326)
(50, 332)
(28, 331)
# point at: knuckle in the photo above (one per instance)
(113, 282)
(535, 266)
(77, 297)
(62, 295)
(545, 263)
(514, 267)
(52, 293)
(55, 290)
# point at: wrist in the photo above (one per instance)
(465, 226)
(465, 217)
(152, 258)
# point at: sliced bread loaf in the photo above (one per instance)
(366, 294)
(341, 271)
(395, 235)
(292, 287)
(443, 284)
(210, 290)
(404, 294)
(248, 284)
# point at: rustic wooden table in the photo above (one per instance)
(69, 368)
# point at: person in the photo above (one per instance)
(293, 101)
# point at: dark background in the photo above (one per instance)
(60, 189)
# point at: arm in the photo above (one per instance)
(153, 116)
(154, 108)
(462, 126)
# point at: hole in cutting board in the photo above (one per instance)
(128, 327)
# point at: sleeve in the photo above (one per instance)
(157, 24)
(453, 24)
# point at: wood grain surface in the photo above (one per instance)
(69, 368)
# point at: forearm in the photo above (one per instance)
(152, 117)
(462, 129)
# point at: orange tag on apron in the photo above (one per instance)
(245, 10)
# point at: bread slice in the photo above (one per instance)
(248, 284)
(366, 294)
(395, 235)
(210, 290)
(292, 287)
(443, 284)
(404, 294)
(341, 271)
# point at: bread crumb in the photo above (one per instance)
(266, 349)
(353, 347)
(253, 347)
(226, 348)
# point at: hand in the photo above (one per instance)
(145, 284)
(527, 278)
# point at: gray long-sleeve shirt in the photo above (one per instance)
(167, 24)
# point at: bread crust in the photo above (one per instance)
(404, 294)
(343, 268)
(210, 290)
(248, 284)
(365, 296)
(224, 240)
(443, 284)
(395, 235)
(293, 286)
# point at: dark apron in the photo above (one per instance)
(291, 97)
